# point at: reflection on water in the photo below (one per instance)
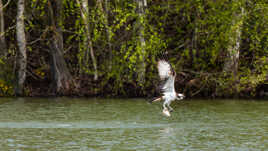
(91, 124)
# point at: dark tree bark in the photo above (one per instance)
(21, 57)
(108, 32)
(60, 75)
(103, 5)
(2, 31)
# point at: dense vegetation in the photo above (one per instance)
(218, 48)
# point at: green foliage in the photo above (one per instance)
(195, 36)
(6, 78)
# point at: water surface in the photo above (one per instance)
(60, 124)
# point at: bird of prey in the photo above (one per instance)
(167, 76)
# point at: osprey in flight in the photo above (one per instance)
(167, 75)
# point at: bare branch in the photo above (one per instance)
(5, 4)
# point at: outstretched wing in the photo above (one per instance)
(167, 75)
(164, 69)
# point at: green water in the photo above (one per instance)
(64, 124)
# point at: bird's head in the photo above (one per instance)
(180, 96)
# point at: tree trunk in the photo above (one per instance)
(231, 63)
(141, 45)
(21, 57)
(105, 12)
(2, 31)
(88, 43)
(192, 43)
(60, 75)
(108, 34)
